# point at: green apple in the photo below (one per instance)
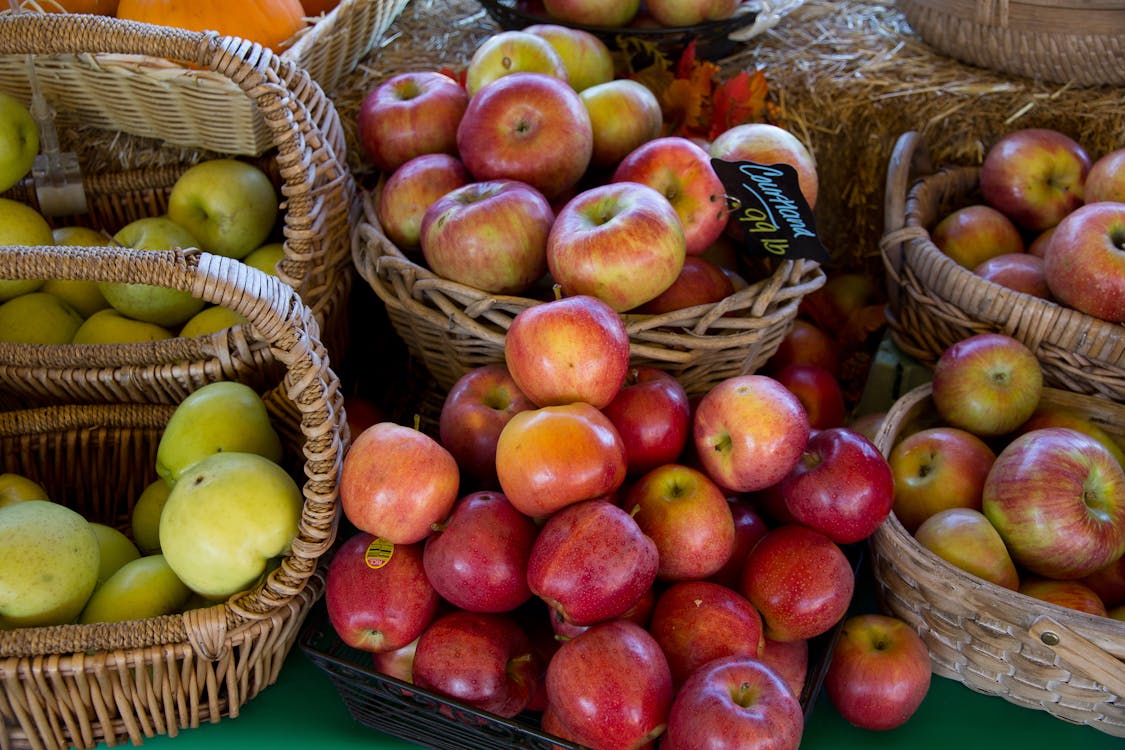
(145, 518)
(224, 520)
(19, 141)
(143, 587)
(21, 224)
(220, 416)
(38, 318)
(82, 294)
(148, 302)
(111, 327)
(230, 205)
(115, 549)
(210, 320)
(15, 488)
(49, 566)
(265, 258)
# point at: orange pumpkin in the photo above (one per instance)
(94, 7)
(316, 7)
(268, 22)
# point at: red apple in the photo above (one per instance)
(763, 143)
(879, 672)
(591, 562)
(1070, 594)
(622, 243)
(965, 538)
(640, 613)
(652, 414)
(549, 458)
(937, 468)
(624, 114)
(530, 127)
(790, 659)
(472, 416)
(987, 384)
(593, 12)
(807, 344)
(973, 234)
(682, 172)
(361, 412)
(734, 703)
(749, 431)
(511, 51)
(1035, 176)
(566, 350)
(490, 235)
(396, 482)
(1085, 261)
(868, 424)
(700, 282)
(799, 580)
(749, 527)
(411, 189)
(1057, 497)
(1053, 415)
(398, 663)
(849, 306)
(477, 558)
(377, 595)
(1108, 582)
(1022, 272)
(409, 114)
(819, 391)
(586, 58)
(673, 13)
(1106, 179)
(1038, 244)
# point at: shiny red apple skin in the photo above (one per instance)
(700, 282)
(964, 537)
(879, 673)
(361, 412)
(1070, 594)
(973, 234)
(409, 114)
(790, 659)
(1048, 415)
(820, 393)
(1085, 261)
(763, 143)
(411, 189)
(1106, 179)
(937, 468)
(592, 12)
(652, 414)
(640, 613)
(749, 526)
(808, 344)
(1020, 272)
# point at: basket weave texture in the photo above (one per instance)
(935, 302)
(157, 93)
(1080, 42)
(994, 640)
(308, 163)
(78, 685)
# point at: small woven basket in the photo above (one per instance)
(153, 92)
(452, 328)
(994, 640)
(1080, 42)
(934, 302)
(80, 685)
(307, 162)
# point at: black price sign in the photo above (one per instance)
(768, 210)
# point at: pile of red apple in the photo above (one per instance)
(621, 13)
(1026, 494)
(1050, 222)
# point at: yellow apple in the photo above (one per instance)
(265, 258)
(38, 318)
(210, 320)
(230, 205)
(115, 550)
(145, 518)
(111, 327)
(19, 141)
(21, 225)
(143, 587)
(15, 488)
(585, 56)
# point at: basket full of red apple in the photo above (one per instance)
(1030, 243)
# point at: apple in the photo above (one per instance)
(681, 171)
(749, 432)
(732, 703)
(16, 488)
(1070, 594)
(21, 224)
(640, 613)
(1085, 261)
(140, 588)
(411, 189)
(700, 282)
(512, 51)
(621, 242)
(652, 414)
(973, 234)
(1039, 243)
(38, 318)
(398, 663)
(1057, 497)
(585, 57)
(554, 456)
(19, 141)
(1050, 415)
(790, 659)
(987, 384)
(937, 468)
(566, 350)
(879, 672)
(1022, 272)
(1108, 582)
(530, 127)
(490, 235)
(1106, 179)
(671, 13)
(1035, 176)
(229, 205)
(820, 393)
(396, 482)
(361, 412)
(749, 527)
(806, 343)
(477, 558)
(841, 486)
(698, 621)
(591, 562)
(848, 306)
(799, 580)
(410, 114)
(763, 143)
(593, 12)
(610, 686)
(868, 424)
(964, 537)
(472, 415)
(624, 114)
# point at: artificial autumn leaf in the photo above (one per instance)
(739, 99)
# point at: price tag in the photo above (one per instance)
(768, 211)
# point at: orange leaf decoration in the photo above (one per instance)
(738, 100)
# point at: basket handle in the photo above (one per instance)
(1098, 664)
(909, 158)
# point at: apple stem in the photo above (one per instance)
(417, 421)
(557, 289)
(744, 695)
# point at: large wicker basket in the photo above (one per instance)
(79, 685)
(1073, 41)
(147, 91)
(452, 328)
(994, 640)
(308, 163)
(935, 302)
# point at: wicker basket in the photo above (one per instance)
(935, 302)
(149, 91)
(308, 163)
(78, 685)
(1079, 42)
(992, 639)
(453, 328)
